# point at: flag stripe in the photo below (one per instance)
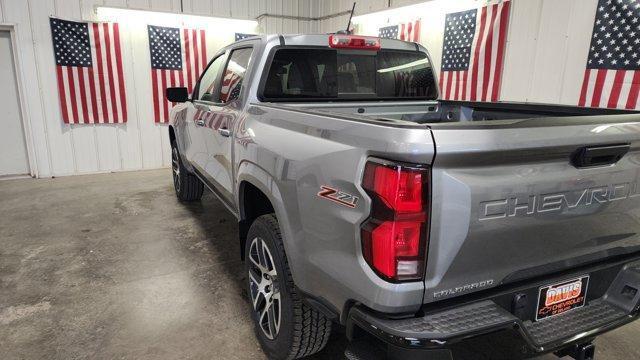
(76, 85)
(502, 33)
(115, 90)
(474, 72)
(72, 95)
(195, 52)
(61, 92)
(597, 91)
(109, 84)
(187, 51)
(416, 31)
(83, 94)
(625, 87)
(101, 82)
(632, 100)
(449, 78)
(464, 85)
(585, 86)
(86, 74)
(165, 110)
(487, 53)
(203, 53)
(616, 88)
(154, 86)
(94, 84)
(173, 83)
(118, 61)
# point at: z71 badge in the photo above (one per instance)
(338, 196)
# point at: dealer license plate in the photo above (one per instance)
(562, 297)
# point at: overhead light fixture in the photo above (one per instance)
(118, 14)
(409, 11)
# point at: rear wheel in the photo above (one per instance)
(187, 186)
(285, 326)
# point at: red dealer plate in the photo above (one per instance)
(562, 297)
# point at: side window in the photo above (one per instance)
(207, 87)
(234, 74)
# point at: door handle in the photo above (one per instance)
(224, 132)
(199, 122)
(599, 155)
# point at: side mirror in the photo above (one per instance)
(177, 94)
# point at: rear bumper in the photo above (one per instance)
(502, 329)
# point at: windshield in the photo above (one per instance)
(325, 74)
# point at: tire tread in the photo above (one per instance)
(311, 329)
(191, 188)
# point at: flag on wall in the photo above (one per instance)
(473, 53)
(89, 72)
(612, 75)
(408, 31)
(178, 56)
(240, 36)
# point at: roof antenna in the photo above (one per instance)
(353, 8)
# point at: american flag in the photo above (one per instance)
(409, 31)
(612, 76)
(89, 72)
(240, 36)
(231, 84)
(178, 56)
(473, 53)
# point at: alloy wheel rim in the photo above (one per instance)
(175, 167)
(265, 292)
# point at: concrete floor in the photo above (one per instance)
(112, 266)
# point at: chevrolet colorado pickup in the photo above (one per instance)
(426, 228)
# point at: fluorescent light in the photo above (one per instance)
(408, 10)
(116, 14)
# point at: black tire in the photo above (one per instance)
(187, 186)
(302, 330)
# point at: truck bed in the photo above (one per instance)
(432, 112)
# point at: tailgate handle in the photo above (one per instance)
(589, 156)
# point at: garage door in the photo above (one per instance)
(13, 149)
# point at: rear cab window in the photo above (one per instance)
(330, 74)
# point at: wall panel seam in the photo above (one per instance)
(44, 116)
(535, 53)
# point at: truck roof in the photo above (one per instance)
(323, 40)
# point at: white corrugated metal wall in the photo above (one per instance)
(545, 58)
(58, 149)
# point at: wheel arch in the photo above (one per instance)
(253, 204)
(255, 198)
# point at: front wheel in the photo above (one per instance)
(285, 326)
(187, 186)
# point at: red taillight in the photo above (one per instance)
(400, 188)
(354, 42)
(394, 238)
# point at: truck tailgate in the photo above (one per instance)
(509, 204)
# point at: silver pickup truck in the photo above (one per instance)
(423, 227)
